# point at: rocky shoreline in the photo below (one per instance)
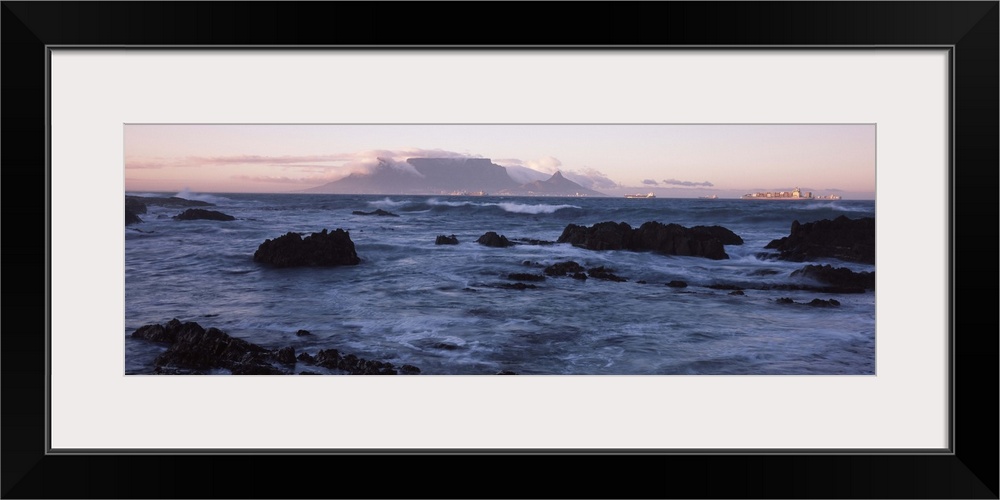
(193, 349)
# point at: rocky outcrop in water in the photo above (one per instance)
(318, 249)
(564, 268)
(446, 240)
(811, 303)
(131, 218)
(133, 207)
(492, 239)
(837, 276)
(201, 214)
(193, 349)
(331, 358)
(379, 212)
(603, 273)
(842, 238)
(667, 239)
(170, 202)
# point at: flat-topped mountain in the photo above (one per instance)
(448, 176)
(557, 185)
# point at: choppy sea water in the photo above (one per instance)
(440, 307)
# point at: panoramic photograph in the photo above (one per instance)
(513, 249)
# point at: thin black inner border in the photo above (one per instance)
(950, 383)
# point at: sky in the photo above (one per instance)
(669, 160)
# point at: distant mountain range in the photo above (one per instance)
(468, 176)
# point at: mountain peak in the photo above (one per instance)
(557, 175)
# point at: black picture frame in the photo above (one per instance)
(970, 470)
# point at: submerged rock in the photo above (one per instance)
(532, 241)
(837, 276)
(677, 284)
(200, 214)
(564, 268)
(318, 249)
(170, 202)
(446, 240)
(824, 303)
(851, 240)
(813, 302)
(603, 273)
(379, 212)
(667, 239)
(492, 239)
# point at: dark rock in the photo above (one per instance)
(737, 292)
(379, 212)
(563, 268)
(302, 333)
(824, 303)
(319, 249)
(194, 350)
(530, 241)
(837, 276)
(785, 300)
(579, 276)
(329, 358)
(603, 273)
(842, 238)
(131, 218)
(720, 233)
(171, 202)
(667, 239)
(525, 277)
(506, 372)
(307, 372)
(135, 205)
(677, 284)
(492, 239)
(352, 364)
(641, 282)
(286, 355)
(200, 214)
(446, 240)
(193, 347)
(673, 239)
(166, 333)
(409, 370)
(600, 236)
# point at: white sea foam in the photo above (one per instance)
(520, 208)
(187, 194)
(388, 203)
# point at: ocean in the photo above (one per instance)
(446, 309)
